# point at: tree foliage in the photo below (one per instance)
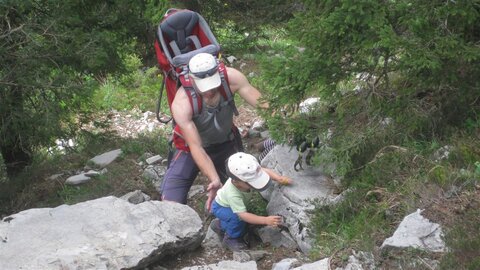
(51, 55)
(239, 24)
(247, 13)
(416, 62)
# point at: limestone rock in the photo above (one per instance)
(230, 265)
(106, 233)
(277, 237)
(418, 232)
(195, 190)
(155, 174)
(285, 264)
(211, 240)
(77, 179)
(154, 160)
(105, 159)
(318, 265)
(136, 197)
(295, 201)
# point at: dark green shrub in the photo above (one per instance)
(3, 170)
(414, 63)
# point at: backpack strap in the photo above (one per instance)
(174, 47)
(196, 42)
(225, 90)
(194, 98)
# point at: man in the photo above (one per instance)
(209, 135)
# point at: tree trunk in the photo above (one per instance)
(14, 148)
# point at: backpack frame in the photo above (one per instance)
(181, 35)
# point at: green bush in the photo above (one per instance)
(232, 38)
(155, 142)
(51, 67)
(414, 63)
(137, 88)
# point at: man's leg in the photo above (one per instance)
(179, 177)
(238, 139)
(219, 155)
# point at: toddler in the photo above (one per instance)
(229, 205)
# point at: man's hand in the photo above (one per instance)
(212, 189)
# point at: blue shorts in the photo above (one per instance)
(182, 170)
(229, 221)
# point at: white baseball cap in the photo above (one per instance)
(204, 71)
(245, 167)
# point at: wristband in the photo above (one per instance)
(284, 181)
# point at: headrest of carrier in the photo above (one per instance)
(178, 26)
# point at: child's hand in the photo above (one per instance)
(284, 180)
(274, 220)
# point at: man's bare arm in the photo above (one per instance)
(182, 113)
(239, 83)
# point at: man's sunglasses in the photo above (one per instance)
(207, 73)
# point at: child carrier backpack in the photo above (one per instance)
(181, 35)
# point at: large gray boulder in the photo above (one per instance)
(107, 233)
(294, 202)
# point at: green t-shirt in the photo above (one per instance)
(231, 196)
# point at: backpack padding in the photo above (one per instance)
(193, 44)
(184, 28)
(183, 59)
(206, 36)
(162, 60)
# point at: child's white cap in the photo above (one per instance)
(245, 167)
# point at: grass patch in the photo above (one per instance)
(393, 182)
(137, 89)
(34, 187)
(409, 258)
(463, 240)
(354, 223)
(257, 205)
(154, 142)
(96, 188)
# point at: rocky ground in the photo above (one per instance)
(127, 125)
(445, 208)
(202, 256)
